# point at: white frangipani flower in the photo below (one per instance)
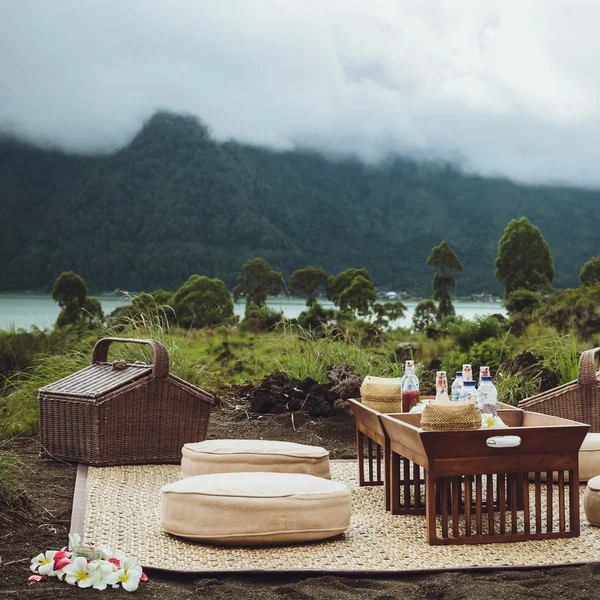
(77, 573)
(43, 563)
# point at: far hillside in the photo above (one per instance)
(175, 202)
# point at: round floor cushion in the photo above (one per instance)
(589, 457)
(591, 501)
(255, 509)
(229, 456)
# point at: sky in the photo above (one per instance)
(504, 88)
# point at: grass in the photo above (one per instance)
(10, 477)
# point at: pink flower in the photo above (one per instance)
(37, 578)
(144, 577)
(61, 563)
(115, 561)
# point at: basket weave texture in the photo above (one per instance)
(578, 400)
(120, 414)
(381, 394)
(450, 416)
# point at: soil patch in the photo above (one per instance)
(44, 521)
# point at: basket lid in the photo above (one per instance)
(96, 380)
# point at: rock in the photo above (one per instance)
(346, 383)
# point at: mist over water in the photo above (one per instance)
(508, 88)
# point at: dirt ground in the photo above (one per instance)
(43, 522)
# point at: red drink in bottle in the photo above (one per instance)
(410, 398)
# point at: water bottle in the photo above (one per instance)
(483, 372)
(487, 397)
(441, 386)
(410, 366)
(457, 385)
(467, 373)
(468, 392)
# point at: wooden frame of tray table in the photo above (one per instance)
(370, 432)
(455, 463)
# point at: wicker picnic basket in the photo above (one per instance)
(578, 400)
(381, 394)
(115, 413)
(450, 416)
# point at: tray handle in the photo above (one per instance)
(503, 441)
(587, 368)
(160, 361)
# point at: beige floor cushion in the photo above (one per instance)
(255, 509)
(229, 456)
(589, 457)
(589, 460)
(591, 501)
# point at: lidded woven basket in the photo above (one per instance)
(119, 413)
(450, 416)
(382, 394)
(578, 400)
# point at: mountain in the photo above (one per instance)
(175, 202)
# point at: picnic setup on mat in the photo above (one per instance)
(438, 483)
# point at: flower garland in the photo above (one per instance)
(88, 565)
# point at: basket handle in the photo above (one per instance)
(160, 363)
(587, 368)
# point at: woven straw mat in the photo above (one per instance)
(123, 511)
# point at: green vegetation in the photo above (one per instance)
(307, 281)
(175, 202)
(257, 281)
(203, 302)
(10, 477)
(71, 294)
(590, 272)
(524, 261)
(444, 259)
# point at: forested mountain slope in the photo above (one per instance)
(175, 202)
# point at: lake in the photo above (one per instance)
(25, 310)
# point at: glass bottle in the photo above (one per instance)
(467, 373)
(483, 372)
(410, 391)
(410, 364)
(441, 387)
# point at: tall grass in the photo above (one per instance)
(11, 469)
(304, 354)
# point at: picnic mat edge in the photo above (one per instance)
(78, 524)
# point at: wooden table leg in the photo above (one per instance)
(387, 477)
(430, 502)
(360, 457)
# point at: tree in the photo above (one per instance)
(445, 260)
(424, 316)
(203, 302)
(524, 261)
(307, 281)
(257, 281)
(385, 312)
(590, 272)
(70, 292)
(522, 301)
(336, 284)
(359, 296)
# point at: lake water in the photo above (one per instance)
(25, 310)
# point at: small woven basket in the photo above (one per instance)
(450, 416)
(381, 394)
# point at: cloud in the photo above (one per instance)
(509, 87)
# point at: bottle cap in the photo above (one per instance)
(486, 378)
(469, 383)
(458, 373)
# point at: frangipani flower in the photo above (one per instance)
(43, 563)
(77, 573)
(128, 578)
(487, 421)
(105, 571)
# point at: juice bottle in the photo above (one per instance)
(410, 390)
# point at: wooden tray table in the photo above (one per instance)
(473, 493)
